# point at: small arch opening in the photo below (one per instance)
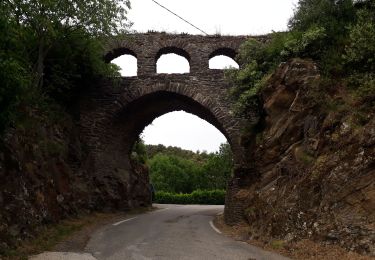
(172, 64)
(222, 62)
(171, 60)
(223, 58)
(128, 65)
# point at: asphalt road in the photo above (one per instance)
(173, 232)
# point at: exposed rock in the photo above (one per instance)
(315, 165)
(45, 177)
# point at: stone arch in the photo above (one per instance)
(229, 52)
(222, 58)
(115, 53)
(180, 96)
(112, 115)
(172, 50)
(112, 124)
(157, 103)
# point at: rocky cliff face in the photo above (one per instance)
(45, 174)
(314, 163)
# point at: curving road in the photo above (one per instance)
(173, 232)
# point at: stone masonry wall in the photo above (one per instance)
(114, 115)
(197, 49)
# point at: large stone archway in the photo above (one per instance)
(114, 114)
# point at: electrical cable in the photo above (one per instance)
(179, 17)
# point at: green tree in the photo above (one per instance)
(332, 15)
(360, 51)
(75, 63)
(326, 22)
(173, 174)
(218, 169)
(199, 157)
(57, 44)
(14, 74)
(337, 34)
(183, 174)
(50, 20)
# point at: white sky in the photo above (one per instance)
(234, 17)
(196, 135)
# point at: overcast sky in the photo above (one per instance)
(234, 17)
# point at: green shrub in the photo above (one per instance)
(44, 58)
(139, 153)
(363, 86)
(360, 52)
(208, 197)
(259, 60)
(14, 74)
(338, 35)
(14, 80)
(74, 64)
(304, 44)
(333, 16)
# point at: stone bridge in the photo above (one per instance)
(117, 111)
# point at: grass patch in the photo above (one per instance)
(51, 235)
(302, 156)
(277, 244)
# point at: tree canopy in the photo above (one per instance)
(44, 23)
(180, 171)
(52, 49)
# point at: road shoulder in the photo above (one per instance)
(304, 249)
(69, 235)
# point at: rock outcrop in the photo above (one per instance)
(45, 177)
(314, 163)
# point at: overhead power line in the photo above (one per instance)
(162, 6)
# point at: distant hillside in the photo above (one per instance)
(198, 156)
